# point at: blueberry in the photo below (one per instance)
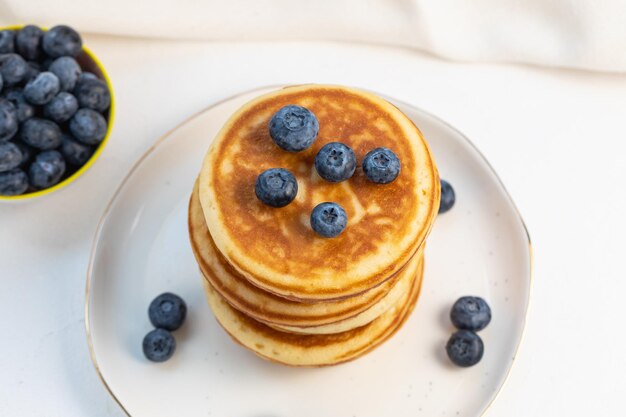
(45, 63)
(470, 313)
(24, 109)
(67, 70)
(294, 128)
(447, 197)
(276, 187)
(32, 72)
(10, 156)
(47, 169)
(159, 345)
(335, 162)
(328, 219)
(27, 152)
(41, 134)
(14, 182)
(93, 94)
(86, 75)
(13, 68)
(465, 348)
(8, 120)
(88, 126)
(381, 165)
(167, 311)
(61, 108)
(75, 153)
(62, 41)
(7, 41)
(36, 64)
(42, 88)
(28, 42)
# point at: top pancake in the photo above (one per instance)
(275, 248)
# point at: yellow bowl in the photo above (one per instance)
(88, 62)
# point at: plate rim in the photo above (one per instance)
(162, 138)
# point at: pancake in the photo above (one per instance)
(267, 307)
(276, 249)
(412, 272)
(310, 350)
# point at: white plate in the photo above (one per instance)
(141, 249)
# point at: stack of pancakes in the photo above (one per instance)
(277, 287)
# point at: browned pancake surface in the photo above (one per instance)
(381, 217)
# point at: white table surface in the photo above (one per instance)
(556, 138)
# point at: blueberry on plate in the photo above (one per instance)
(10, 156)
(7, 41)
(8, 120)
(328, 219)
(61, 108)
(41, 89)
(62, 41)
(47, 169)
(88, 126)
(447, 197)
(93, 94)
(381, 165)
(25, 110)
(28, 42)
(294, 128)
(465, 348)
(13, 68)
(159, 345)
(41, 133)
(470, 313)
(74, 152)
(167, 311)
(14, 182)
(335, 162)
(276, 187)
(67, 71)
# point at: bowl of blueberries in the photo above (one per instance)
(56, 110)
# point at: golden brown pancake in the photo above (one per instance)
(276, 249)
(310, 350)
(272, 309)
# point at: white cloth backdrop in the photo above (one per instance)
(586, 34)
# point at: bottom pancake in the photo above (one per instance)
(310, 350)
